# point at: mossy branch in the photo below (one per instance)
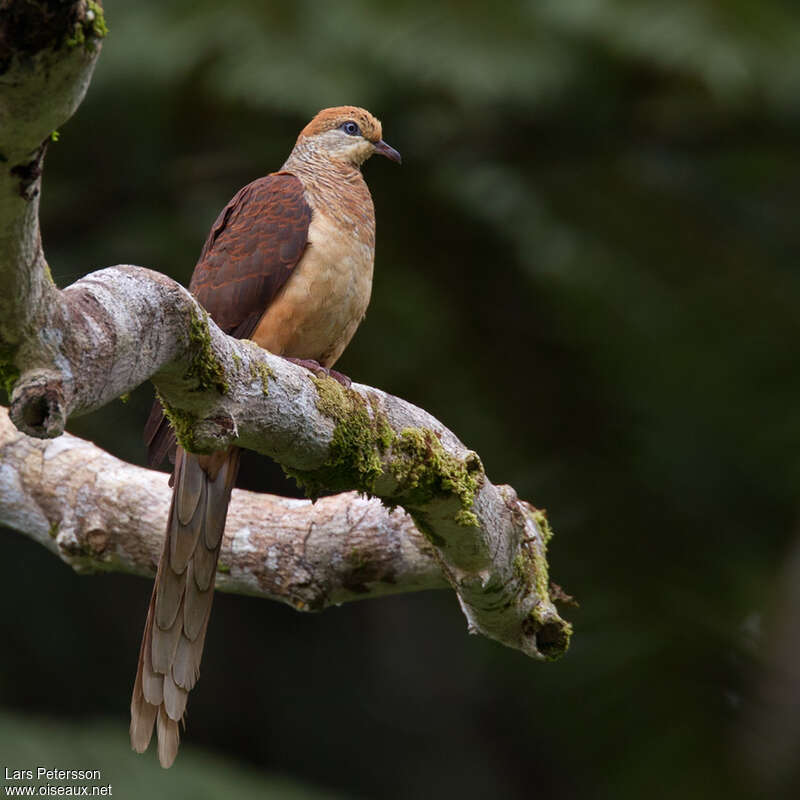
(99, 514)
(72, 351)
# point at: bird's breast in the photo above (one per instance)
(318, 310)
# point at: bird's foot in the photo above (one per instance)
(340, 377)
(318, 369)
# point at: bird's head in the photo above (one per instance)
(345, 133)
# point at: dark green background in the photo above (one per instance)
(587, 267)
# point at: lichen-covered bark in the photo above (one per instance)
(68, 352)
(98, 513)
(48, 50)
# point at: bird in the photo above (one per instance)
(288, 263)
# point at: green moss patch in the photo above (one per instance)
(530, 567)
(182, 423)
(260, 371)
(540, 518)
(205, 366)
(425, 470)
(364, 445)
(358, 441)
(9, 373)
(88, 30)
(530, 563)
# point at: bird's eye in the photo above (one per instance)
(350, 128)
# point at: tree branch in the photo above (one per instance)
(69, 352)
(99, 514)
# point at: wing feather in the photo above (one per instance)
(253, 247)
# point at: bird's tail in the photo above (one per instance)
(172, 645)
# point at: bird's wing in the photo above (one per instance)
(252, 249)
(253, 246)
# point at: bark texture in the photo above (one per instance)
(100, 514)
(69, 352)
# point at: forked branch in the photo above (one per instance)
(64, 353)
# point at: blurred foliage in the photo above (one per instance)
(32, 743)
(587, 267)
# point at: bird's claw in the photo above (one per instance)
(318, 369)
(340, 377)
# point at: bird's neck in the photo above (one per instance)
(309, 163)
(335, 188)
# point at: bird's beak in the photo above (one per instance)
(388, 151)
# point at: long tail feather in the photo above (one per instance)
(180, 606)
